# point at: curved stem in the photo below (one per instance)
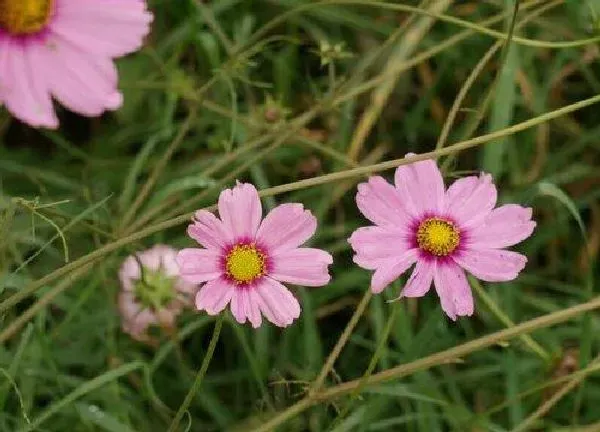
(321, 180)
(549, 404)
(158, 170)
(200, 376)
(505, 319)
(430, 361)
(416, 10)
(335, 352)
(372, 364)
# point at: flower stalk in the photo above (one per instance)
(430, 361)
(200, 376)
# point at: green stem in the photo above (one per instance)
(381, 346)
(430, 361)
(211, 21)
(341, 343)
(254, 367)
(200, 376)
(158, 170)
(321, 180)
(419, 11)
(504, 319)
(544, 408)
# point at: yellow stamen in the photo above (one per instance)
(245, 263)
(25, 17)
(438, 236)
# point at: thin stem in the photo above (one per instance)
(254, 367)
(224, 161)
(339, 346)
(371, 367)
(44, 301)
(547, 405)
(355, 91)
(302, 184)
(381, 94)
(473, 142)
(594, 367)
(462, 94)
(252, 160)
(430, 361)
(212, 22)
(200, 376)
(504, 319)
(158, 169)
(416, 10)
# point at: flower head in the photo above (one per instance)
(153, 293)
(443, 231)
(65, 49)
(245, 258)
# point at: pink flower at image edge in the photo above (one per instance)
(135, 317)
(444, 232)
(245, 258)
(68, 56)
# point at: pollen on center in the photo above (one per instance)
(25, 17)
(245, 263)
(438, 236)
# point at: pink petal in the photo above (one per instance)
(24, 83)
(391, 269)
(111, 28)
(129, 272)
(244, 305)
(199, 265)
(491, 265)
(469, 200)
(276, 302)
(135, 321)
(238, 307)
(454, 290)
(460, 191)
(209, 231)
(240, 210)
(374, 244)
(302, 266)
(155, 257)
(167, 316)
(186, 290)
(82, 82)
(420, 280)
(256, 309)
(72, 60)
(381, 203)
(286, 227)
(420, 186)
(214, 296)
(128, 307)
(167, 259)
(140, 323)
(503, 227)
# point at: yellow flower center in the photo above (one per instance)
(438, 236)
(25, 17)
(245, 263)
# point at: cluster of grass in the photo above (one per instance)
(305, 99)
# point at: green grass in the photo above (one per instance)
(249, 90)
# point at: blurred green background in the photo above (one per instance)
(274, 92)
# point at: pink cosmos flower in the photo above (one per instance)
(154, 294)
(244, 259)
(443, 231)
(65, 49)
